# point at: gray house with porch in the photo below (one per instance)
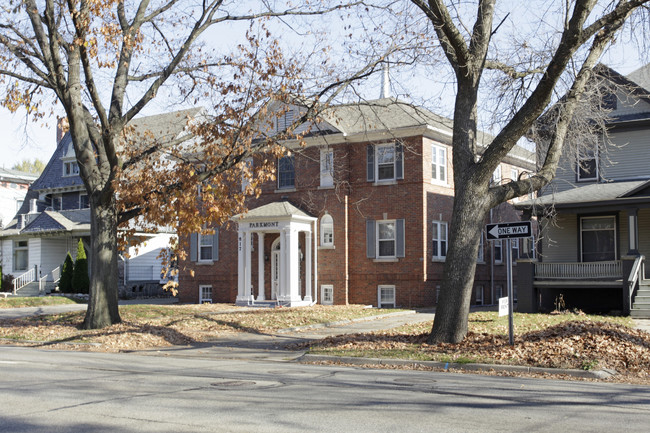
(595, 216)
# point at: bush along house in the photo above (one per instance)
(55, 215)
(357, 215)
(594, 243)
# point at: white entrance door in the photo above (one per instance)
(275, 269)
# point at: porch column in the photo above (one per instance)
(280, 294)
(315, 227)
(247, 275)
(307, 266)
(240, 267)
(260, 267)
(292, 265)
(633, 232)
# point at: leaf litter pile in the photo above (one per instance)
(573, 341)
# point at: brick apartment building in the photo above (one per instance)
(358, 215)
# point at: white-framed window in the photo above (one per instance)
(514, 175)
(286, 172)
(326, 231)
(499, 291)
(70, 168)
(385, 162)
(587, 162)
(496, 176)
(326, 167)
(438, 163)
(57, 202)
(206, 245)
(498, 251)
(386, 296)
(439, 235)
(386, 239)
(21, 255)
(83, 201)
(598, 238)
(327, 294)
(285, 120)
(514, 246)
(479, 295)
(205, 294)
(480, 257)
(19, 204)
(247, 173)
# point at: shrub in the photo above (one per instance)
(65, 283)
(80, 280)
(7, 282)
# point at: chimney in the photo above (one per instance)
(32, 206)
(385, 83)
(62, 127)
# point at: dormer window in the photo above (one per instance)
(285, 121)
(70, 168)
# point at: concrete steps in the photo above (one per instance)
(641, 305)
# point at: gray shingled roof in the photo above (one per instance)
(392, 114)
(592, 194)
(641, 77)
(49, 221)
(279, 209)
(17, 176)
(52, 176)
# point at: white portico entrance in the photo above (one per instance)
(293, 268)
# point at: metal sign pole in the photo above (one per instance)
(510, 292)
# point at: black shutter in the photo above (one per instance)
(215, 244)
(371, 163)
(370, 239)
(194, 247)
(399, 161)
(399, 238)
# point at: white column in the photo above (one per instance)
(633, 231)
(316, 288)
(283, 263)
(247, 273)
(307, 266)
(260, 267)
(240, 267)
(292, 266)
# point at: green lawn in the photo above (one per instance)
(38, 301)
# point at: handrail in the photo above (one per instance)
(632, 279)
(56, 276)
(24, 279)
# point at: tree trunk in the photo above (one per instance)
(102, 306)
(470, 211)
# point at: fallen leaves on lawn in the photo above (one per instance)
(573, 344)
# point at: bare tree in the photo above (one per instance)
(475, 54)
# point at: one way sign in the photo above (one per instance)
(519, 229)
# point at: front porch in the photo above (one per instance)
(290, 260)
(614, 286)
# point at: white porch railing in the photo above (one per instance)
(24, 279)
(579, 271)
(142, 273)
(53, 276)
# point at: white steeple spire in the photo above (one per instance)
(385, 82)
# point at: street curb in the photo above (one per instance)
(584, 374)
(344, 322)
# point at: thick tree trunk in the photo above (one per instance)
(102, 306)
(470, 210)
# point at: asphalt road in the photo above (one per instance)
(196, 391)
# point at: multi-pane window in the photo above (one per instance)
(205, 294)
(19, 204)
(439, 235)
(598, 238)
(496, 176)
(57, 202)
(285, 120)
(70, 168)
(326, 231)
(479, 295)
(326, 167)
(83, 201)
(286, 172)
(514, 246)
(386, 238)
(498, 253)
(438, 163)
(20, 255)
(587, 160)
(206, 243)
(514, 174)
(327, 294)
(481, 247)
(385, 154)
(386, 296)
